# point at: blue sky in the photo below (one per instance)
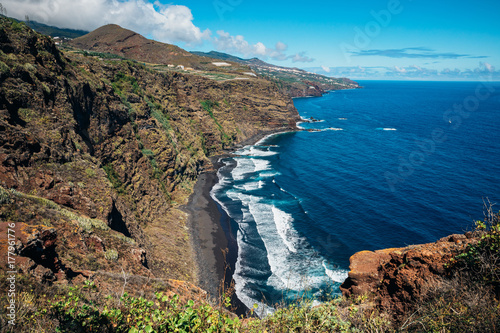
(389, 39)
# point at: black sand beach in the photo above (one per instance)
(209, 240)
(211, 234)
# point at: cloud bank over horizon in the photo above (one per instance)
(166, 23)
(413, 52)
(484, 72)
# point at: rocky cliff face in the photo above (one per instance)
(397, 277)
(98, 154)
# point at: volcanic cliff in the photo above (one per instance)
(97, 155)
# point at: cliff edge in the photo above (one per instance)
(399, 276)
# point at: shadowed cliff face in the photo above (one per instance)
(104, 151)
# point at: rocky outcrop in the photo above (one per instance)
(398, 276)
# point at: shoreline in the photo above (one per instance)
(210, 229)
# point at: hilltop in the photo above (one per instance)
(128, 44)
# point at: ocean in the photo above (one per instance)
(392, 164)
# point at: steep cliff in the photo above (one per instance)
(100, 153)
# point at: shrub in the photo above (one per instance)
(481, 261)
(111, 255)
(4, 196)
(77, 313)
(90, 172)
(114, 178)
(4, 68)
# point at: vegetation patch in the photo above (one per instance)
(111, 255)
(123, 82)
(208, 106)
(86, 223)
(114, 178)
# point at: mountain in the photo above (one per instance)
(221, 56)
(55, 31)
(114, 39)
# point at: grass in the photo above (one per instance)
(157, 112)
(85, 309)
(4, 196)
(100, 55)
(111, 255)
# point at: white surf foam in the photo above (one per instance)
(262, 141)
(244, 167)
(254, 151)
(243, 291)
(250, 186)
(282, 276)
(294, 265)
(260, 164)
(283, 225)
(338, 275)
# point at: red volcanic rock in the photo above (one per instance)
(399, 276)
(364, 275)
(140, 256)
(95, 243)
(44, 181)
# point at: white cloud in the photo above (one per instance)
(237, 44)
(167, 23)
(486, 67)
(399, 70)
(281, 46)
(484, 71)
(301, 57)
(326, 69)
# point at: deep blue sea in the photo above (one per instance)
(393, 164)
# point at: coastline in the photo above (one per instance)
(210, 228)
